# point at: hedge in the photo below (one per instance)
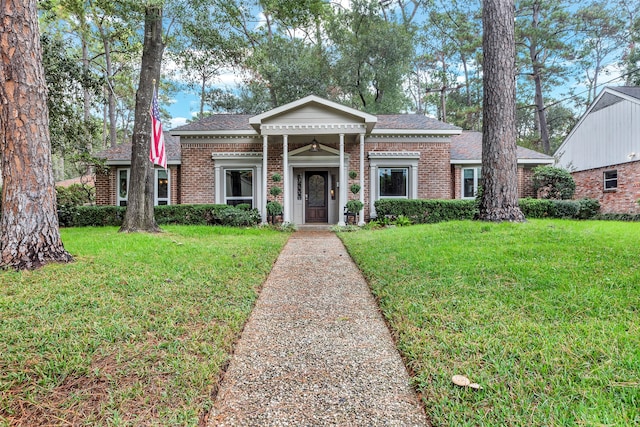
(97, 216)
(423, 211)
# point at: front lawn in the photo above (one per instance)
(135, 332)
(544, 315)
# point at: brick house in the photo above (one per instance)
(602, 151)
(320, 149)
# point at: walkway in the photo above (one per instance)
(316, 351)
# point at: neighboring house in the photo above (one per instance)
(313, 144)
(602, 152)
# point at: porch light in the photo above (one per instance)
(314, 145)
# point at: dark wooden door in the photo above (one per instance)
(316, 200)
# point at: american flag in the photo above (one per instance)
(157, 153)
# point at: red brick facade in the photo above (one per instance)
(590, 184)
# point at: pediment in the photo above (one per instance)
(313, 115)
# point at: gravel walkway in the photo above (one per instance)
(316, 351)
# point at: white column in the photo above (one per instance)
(414, 182)
(361, 221)
(219, 185)
(373, 191)
(285, 178)
(342, 190)
(265, 176)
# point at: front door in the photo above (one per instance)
(316, 201)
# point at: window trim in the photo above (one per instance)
(477, 170)
(156, 199)
(606, 180)
(252, 199)
(392, 159)
(119, 198)
(406, 184)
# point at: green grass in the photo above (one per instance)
(135, 332)
(544, 315)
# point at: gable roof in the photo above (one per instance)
(245, 124)
(368, 119)
(568, 151)
(467, 148)
(121, 153)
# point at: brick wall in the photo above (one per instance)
(197, 184)
(105, 187)
(590, 184)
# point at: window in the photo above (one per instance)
(393, 182)
(470, 180)
(162, 187)
(238, 187)
(123, 187)
(610, 180)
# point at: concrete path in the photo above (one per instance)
(316, 351)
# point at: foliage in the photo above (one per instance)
(67, 82)
(547, 208)
(69, 198)
(275, 191)
(353, 174)
(421, 211)
(355, 188)
(136, 315)
(553, 183)
(354, 206)
(274, 208)
(276, 177)
(529, 311)
(402, 221)
(370, 57)
(98, 216)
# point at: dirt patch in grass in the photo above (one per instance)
(122, 386)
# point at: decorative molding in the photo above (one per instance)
(313, 126)
(236, 155)
(394, 154)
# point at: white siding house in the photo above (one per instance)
(603, 150)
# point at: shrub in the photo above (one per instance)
(536, 208)
(422, 211)
(274, 208)
(97, 216)
(354, 206)
(589, 208)
(235, 217)
(355, 188)
(565, 209)
(553, 183)
(69, 198)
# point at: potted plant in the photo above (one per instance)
(354, 206)
(355, 188)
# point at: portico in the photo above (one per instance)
(314, 175)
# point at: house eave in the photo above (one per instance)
(415, 132)
(229, 133)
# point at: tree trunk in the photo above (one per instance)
(29, 236)
(139, 215)
(499, 201)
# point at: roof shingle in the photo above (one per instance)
(468, 146)
(122, 152)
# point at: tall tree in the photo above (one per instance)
(543, 30)
(139, 215)
(599, 27)
(30, 235)
(499, 200)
